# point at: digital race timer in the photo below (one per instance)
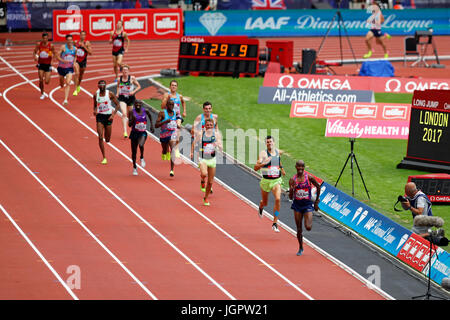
(435, 186)
(227, 55)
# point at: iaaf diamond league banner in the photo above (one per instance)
(295, 23)
(382, 231)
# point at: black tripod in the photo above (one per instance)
(352, 156)
(428, 294)
(340, 20)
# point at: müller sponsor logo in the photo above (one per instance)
(306, 109)
(71, 23)
(135, 24)
(102, 24)
(365, 111)
(335, 110)
(394, 112)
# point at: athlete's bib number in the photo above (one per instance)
(117, 43)
(80, 53)
(302, 194)
(43, 54)
(125, 90)
(103, 107)
(140, 126)
(208, 148)
(273, 171)
(172, 125)
(69, 58)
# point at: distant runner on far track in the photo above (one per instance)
(84, 49)
(117, 39)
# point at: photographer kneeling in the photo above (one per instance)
(419, 204)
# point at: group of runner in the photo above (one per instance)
(72, 59)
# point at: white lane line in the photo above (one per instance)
(161, 184)
(75, 217)
(116, 197)
(41, 256)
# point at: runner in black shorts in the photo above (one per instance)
(117, 39)
(104, 114)
(126, 90)
(138, 118)
(44, 52)
(83, 50)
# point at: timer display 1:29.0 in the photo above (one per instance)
(218, 50)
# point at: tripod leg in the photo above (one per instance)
(357, 165)
(349, 155)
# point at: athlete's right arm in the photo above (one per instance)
(260, 163)
(164, 100)
(95, 103)
(194, 143)
(291, 188)
(195, 125)
(35, 52)
(158, 121)
(58, 56)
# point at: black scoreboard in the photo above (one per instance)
(223, 55)
(435, 186)
(429, 129)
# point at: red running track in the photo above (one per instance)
(130, 237)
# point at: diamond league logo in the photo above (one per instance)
(213, 21)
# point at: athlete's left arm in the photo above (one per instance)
(281, 168)
(183, 104)
(125, 36)
(88, 47)
(152, 127)
(197, 138)
(317, 185)
(219, 141)
(114, 99)
(137, 85)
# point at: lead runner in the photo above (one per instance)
(270, 164)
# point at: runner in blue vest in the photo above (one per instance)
(178, 102)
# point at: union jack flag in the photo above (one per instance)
(268, 4)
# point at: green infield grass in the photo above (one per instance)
(235, 102)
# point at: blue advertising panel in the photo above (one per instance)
(384, 232)
(294, 23)
(363, 219)
(440, 266)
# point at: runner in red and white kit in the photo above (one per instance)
(44, 52)
(83, 50)
(104, 115)
(117, 39)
